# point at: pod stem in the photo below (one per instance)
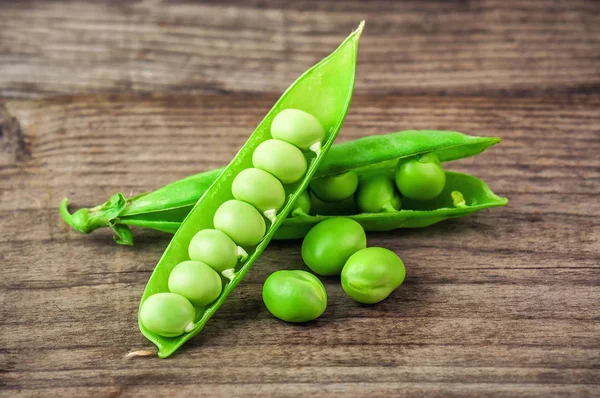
(87, 220)
(189, 327)
(67, 217)
(229, 273)
(316, 147)
(458, 199)
(241, 254)
(270, 214)
(388, 207)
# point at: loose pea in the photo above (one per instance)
(216, 249)
(421, 178)
(336, 187)
(377, 194)
(167, 314)
(303, 204)
(195, 281)
(294, 296)
(261, 190)
(283, 160)
(371, 274)
(299, 128)
(241, 221)
(330, 243)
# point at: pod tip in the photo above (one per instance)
(361, 26)
(139, 353)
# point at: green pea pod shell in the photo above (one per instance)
(462, 195)
(325, 91)
(165, 208)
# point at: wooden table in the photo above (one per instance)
(100, 97)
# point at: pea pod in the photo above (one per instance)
(165, 208)
(331, 81)
(462, 195)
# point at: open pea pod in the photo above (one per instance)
(165, 208)
(463, 194)
(325, 91)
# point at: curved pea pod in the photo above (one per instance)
(165, 208)
(384, 151)
(325, 91)
(462, 195)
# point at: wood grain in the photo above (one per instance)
(104, 96)
(502, 303)
(487, 47)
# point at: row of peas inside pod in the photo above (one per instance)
(238, 223)
(337, 246)
(419, 178)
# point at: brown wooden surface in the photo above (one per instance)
(409, 47)
(502, 303)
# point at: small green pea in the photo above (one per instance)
(216, 249)
(336, 187)
(299, 128)
(303, 204)
(371, 274)
(328, 245)
(421, 178)
(283, 160)
(167, 314)
(261, 190)
(377, 194)
(241, 221)
(195, 281)
(294, 296)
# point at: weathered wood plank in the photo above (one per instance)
(313, 389)
(409, 47)
(376, 376)
(343, 355)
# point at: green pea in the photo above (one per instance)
(371, 274)
(294, 296)
(283, 160)
(261, 190)
(377, 194)
(195, 281)
(241, 221)
(167, 314)
(299, 128)
(421, 178)
(329, 244)
(336, 187)
(216, 249)
(303, 204)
